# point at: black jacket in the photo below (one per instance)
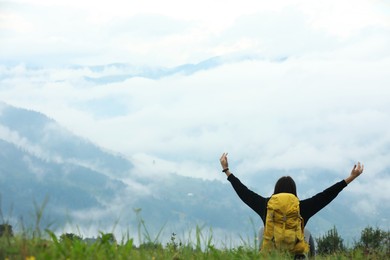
(308, 207)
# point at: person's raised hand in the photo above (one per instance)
(224, 161)
(356, 171)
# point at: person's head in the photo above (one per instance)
(285, 184)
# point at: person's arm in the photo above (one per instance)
(311, 206)
(252, 199)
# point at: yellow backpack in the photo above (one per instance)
(284, 225)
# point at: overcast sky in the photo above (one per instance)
(299, 84)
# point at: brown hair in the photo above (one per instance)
(285, 184)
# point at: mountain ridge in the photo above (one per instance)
(112, 191)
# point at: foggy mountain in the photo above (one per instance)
(86, 186)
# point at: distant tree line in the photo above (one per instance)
(372, 241)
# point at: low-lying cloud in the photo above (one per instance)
(289, 114)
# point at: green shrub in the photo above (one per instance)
(330, 243)
(374, 241)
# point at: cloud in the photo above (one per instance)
(22, 143)
(370, 200)
(74, 32)
(300, 112)
(345, 20)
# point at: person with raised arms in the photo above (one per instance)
(283, 214)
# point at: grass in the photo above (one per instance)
(22, 248)
(34, 244)
(69, 246)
